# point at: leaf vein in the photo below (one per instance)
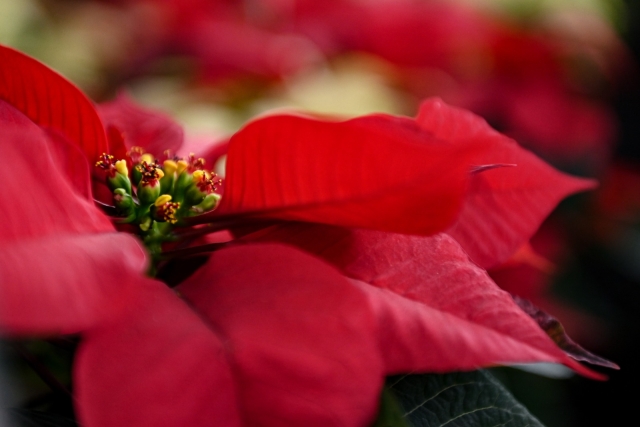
(436, 395)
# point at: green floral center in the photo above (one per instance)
(158, 197)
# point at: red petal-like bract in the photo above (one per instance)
(289, 343)
(375, 171)
(68, 157)
(63, 267)
(71, 161)
(430, 292)
(51, 101)
(504, 206)
(301, 338)
(39, 199)
(151, 130)
(67, 283)
(158, 365)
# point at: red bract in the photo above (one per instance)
(345, 173)
(506, 205)
(141, 128)
(264, 334)
(50, 101)
(62, 266)
(470, 320)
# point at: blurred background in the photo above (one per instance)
(559, 76)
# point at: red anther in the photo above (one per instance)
(151, 173)
(209, 183)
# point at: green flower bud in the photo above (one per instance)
(203, 184)
(166, 182)
(136, 174)
(208, 203)
(148, 192)
(118, 177)
(164, 210)
(123, 200)
(125, 205)
(195, 193)
(149, 187)
(182, 184)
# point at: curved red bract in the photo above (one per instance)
(51, 101)
(376, 171)
(504, 206)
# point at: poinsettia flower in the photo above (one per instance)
(262, 333)
(218, 38)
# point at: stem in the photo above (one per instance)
(198, 232)
(188, 236)
(197, 250)
(212, 227)
(230, 219)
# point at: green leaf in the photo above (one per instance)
(462, 399)
(391, 413)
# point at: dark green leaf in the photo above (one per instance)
(390, 414)
(463, 399)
